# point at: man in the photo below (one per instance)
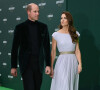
(31, 43)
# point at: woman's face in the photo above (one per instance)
(64, 21)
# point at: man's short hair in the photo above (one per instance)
(29, 7)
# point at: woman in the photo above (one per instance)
(68, 66)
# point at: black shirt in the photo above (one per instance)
(34, 37)
(34, 44)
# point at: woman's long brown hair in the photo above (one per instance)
(71, 30)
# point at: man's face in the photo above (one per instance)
(34, 13)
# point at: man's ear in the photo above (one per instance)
(28, 12)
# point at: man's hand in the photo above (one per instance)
(14, 72)
(47, 70)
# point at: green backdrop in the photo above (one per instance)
(86, 19)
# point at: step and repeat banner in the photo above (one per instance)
(13, 12)
(86, 17)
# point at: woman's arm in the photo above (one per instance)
(53, 54)
(78, 55)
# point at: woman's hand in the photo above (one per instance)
(79, 68)
(52, 73)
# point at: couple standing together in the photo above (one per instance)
(31, 45)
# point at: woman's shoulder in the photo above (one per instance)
(54, 33)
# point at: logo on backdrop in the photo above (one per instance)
(0, 31)
(5, 42)
(10, 31)
(0, 9)
(41, 5)
(24, 6)
(5, 20)
(18, 19)
(50, 16)
(60, 2)
(11, 8)
(0, 53)
(10, 77)
(4, 64)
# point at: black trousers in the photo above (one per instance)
(32, 77)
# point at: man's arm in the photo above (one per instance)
(47, 47)
(47, 51)
(14, 52)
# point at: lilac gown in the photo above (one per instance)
(66, 75)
